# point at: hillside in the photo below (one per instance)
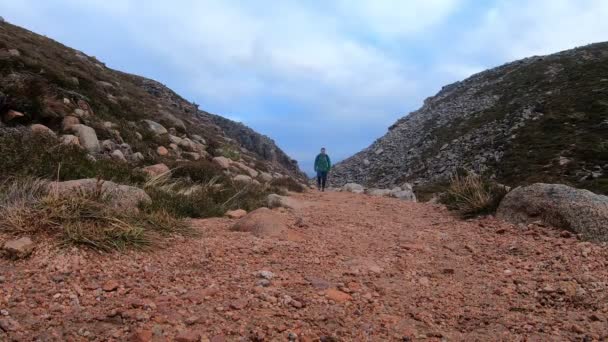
(43, 82)
(543, 118)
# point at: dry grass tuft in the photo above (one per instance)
(471, 195)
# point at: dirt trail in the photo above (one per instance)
(362, 269)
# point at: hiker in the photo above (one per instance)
(322, 167)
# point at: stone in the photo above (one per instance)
(14, 52)
(41, 129)
(87, 137)
(68, 122)
(8, 324)
(223, 162)
(110, 285)
(337, 296)
(404, 195)
(79, 112)
(242, 179)
(69, 139)
(162, 151)
(239, 304)
(156, 128)
(175, 140)
(120, 196)
(378, 192)
(265, 274)
(11, 115)
(156, 170)
(19, 248)
(354, 188)
(252, 173)
(266, 177)
(263, 223)
(576, 210)
(108, 145)
(137, 157)
(191, 156)
(118, 155)
(187, 336)
(236, 214)
(142, 335)
(172, 121)
(198, 139)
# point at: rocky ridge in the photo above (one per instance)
(53, 89)
(537, 119)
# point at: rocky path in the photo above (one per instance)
(353, 268)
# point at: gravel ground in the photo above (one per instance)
(352, 268)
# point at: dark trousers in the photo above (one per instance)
(321, 179)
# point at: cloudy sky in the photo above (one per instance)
(312, 73)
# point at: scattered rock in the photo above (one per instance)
(354, 188)
(265, 274)
(236, 214)
(142, 335)
(69, 122)
(11, 115)
(162, 151)
(118, 155)
(242, 179)
(110, 285)
(19, 248)
(69, 139)
(561, 206)
(263, 223)
(239, 304)
(41, 129)
(266, 177)
(156, 128)
(14, 52)
(276, 201)
(156, 170)
(9, 325)
(87, 137)
(223, 162)
(338, 296)
(187, 336)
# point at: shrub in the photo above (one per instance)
(288, 183)
(201, 171)
(82, 218)
(471, 195)
(231, 153)
(42, 156)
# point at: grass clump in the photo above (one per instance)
(471, 195)
(81, 218)
(287, 183)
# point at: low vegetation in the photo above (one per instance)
(28, 206)
(287, 183)
(471, 195)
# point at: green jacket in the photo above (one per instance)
(322, 163)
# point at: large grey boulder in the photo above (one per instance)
(156, 128)
(558, 205)
(87, 137)
(354, 188)
(120, 196)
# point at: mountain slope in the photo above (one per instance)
(537, 119)
(46, 81)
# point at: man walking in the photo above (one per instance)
(322, 167)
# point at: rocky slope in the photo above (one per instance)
(46, 85)
(537, 119)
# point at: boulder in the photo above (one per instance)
(69, 139)
(156, 128)
(191, 156)
(41, 129)
(404, 195)
(242, 179)
(262, 223)
(19, 248)
(120, 196)
(14, 52)
(378, 192)
(87, 137)
(354, 188)
(162, 151)
(253, 173)
(576, 210)
(69, 122)
(236, 214)
(189, 145)
(156, 170)
(175, 140)
(11, 115)
(172, 121)
(266, 177)
(223, 162)
(108, 145)
(198, 139)
(118, 155)
(137, 157)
